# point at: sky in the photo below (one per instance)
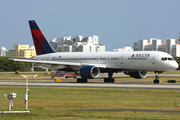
(117, 23)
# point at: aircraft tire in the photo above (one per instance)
(79, 80)
(156, 81)
(108, 80)
(112, 80)
(105, 80)
(84, 80)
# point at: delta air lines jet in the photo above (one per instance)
(89, 65)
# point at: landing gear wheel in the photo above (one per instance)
(156, 81)
(79, 80)
(82, 80)
(112, 80)
(105, 80)
(108, 80)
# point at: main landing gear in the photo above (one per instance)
(109, 79)
(106, 80)
(81, 80)
(156, 81)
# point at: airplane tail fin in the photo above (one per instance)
(40, 42)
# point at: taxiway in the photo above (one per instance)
(165, 86)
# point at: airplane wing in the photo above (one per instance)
(15, 57)
(61, 63)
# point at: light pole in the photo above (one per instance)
(26, 95)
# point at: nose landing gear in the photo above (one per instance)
(156, 81)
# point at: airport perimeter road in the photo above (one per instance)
(92, 85)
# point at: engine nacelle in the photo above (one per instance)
(138, 74)
(89, 72)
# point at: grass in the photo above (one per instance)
(59, 103)
(40, 76)
(19, 75)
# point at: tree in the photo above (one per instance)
(177, 59)
(7, 65)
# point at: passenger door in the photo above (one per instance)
(154, 60)
(122, 60)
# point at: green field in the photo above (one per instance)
(40, 76)
(63, 103)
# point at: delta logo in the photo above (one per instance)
(140, 55)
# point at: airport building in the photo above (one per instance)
(170, 46)
(21, 51)
(77, 44)
(3, 51)
(125, 48)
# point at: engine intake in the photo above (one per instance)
(138, 74)
(89, 72)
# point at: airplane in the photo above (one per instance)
(89, 65)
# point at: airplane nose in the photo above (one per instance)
(174, 66)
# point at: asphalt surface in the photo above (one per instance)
(127, 82)
(166, 86)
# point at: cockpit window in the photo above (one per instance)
(164, 59)
(170, 58)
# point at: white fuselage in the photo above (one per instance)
(131, 60)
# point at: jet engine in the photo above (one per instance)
(89, 72)
(138, 74)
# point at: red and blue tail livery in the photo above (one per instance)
(40, 42)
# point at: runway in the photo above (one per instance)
(164, 86)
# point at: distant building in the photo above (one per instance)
(125, 48)
(3, 51)
(170, 46)
(77, 44)
(21, 51)
(82, 48)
